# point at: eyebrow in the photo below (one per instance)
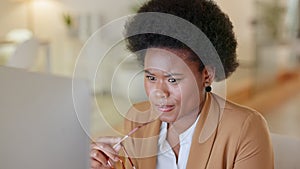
(168, 75)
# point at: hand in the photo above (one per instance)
(103, 155)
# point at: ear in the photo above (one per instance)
(208, 75)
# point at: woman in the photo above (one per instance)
(185, 125)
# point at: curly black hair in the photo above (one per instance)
(204, 14)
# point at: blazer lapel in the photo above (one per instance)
(204, 134)
(149, 145)
(142, 145)
(145, 140)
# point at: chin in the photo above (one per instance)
(167, 119)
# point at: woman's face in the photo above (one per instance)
(173, 83)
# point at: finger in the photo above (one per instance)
(107, 150)
(101, 158)
(113, 141)
(95, 164)
(110, 163)
(93, 144)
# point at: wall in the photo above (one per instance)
(48, 24)
(241, 13)
(48, 13)
(12, 16)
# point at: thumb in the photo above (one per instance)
(110, 140)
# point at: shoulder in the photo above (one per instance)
(249, 133)
(141, 106)
(249, 120)
(246, 126)
(240, 120)
(238, 113)
(138, 110)
(139, 113)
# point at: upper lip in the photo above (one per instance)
(165, 105)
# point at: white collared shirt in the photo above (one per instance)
(166, 157)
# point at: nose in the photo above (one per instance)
(161, 90)
(159, 94)
(158, 97)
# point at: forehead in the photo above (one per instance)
(168, 60)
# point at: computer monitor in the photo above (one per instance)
(40, 126)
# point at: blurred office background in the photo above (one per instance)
(267, 31)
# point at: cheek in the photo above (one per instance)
(147, 87)
(188, 94)
(177, 93)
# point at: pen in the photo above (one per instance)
(129, 134)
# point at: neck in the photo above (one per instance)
(185, 122)
(182, 124)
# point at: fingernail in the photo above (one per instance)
(116, 159)
(109, 164)
(94, 154)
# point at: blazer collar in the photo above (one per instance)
(205, 132)
(202, 142)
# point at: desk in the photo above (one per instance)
(45, 44)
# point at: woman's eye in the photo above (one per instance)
(151, 78)
(172, 80)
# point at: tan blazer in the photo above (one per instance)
(226, 136)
